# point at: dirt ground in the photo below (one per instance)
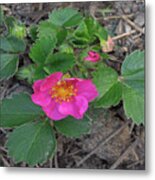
(114, 142)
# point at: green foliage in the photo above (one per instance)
(32, 143)
(42, 48)
(71, 127)
(133, 91)
(86, 33)
(9, 65)
(66, 17)
(129, 86)
(47, 28)
(10, 47)
(33, 32)
(18, 110)
(133, 105)
(112, 97)
(12, 44)
(59, 62)
(60, 44)
(133, 71)
(104, 79)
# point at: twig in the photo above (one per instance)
(117, 17)
(51, 162)
(3, 149)
(56, 161)
(123, 35)
(119, 160)
(135, 154)
(73, 153)
(133, 24)
(113, 58)
(131, 128)
(135, 163)
(103, 142)
(5, 162)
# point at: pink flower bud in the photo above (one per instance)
(108, 45)
(92, 56)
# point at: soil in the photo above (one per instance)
(126, 148)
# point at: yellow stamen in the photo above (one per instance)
(63, 91)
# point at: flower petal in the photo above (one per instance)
(36, 85)
(87, 89)
(40, 98)
(75, 108)
(52, 111)
(51, 81)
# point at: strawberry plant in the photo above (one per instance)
(68, 74)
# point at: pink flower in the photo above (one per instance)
(61, 97)
(108, 45)
(92, 56)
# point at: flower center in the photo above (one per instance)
(63, 91)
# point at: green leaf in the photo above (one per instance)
(101, 33)
(12, 44)
(133, 71)
(18, 110)
(112, 97)
(33, 32)
(42, 48)
(104, 78)
(39, 73)
(9, 65)
(133, 105)
(32, 143)
(66, 17)
(133, 91)
(9, 48)
(87, 31)
(72, 127)
(83, 35)
(47, 28)
(59, 62)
